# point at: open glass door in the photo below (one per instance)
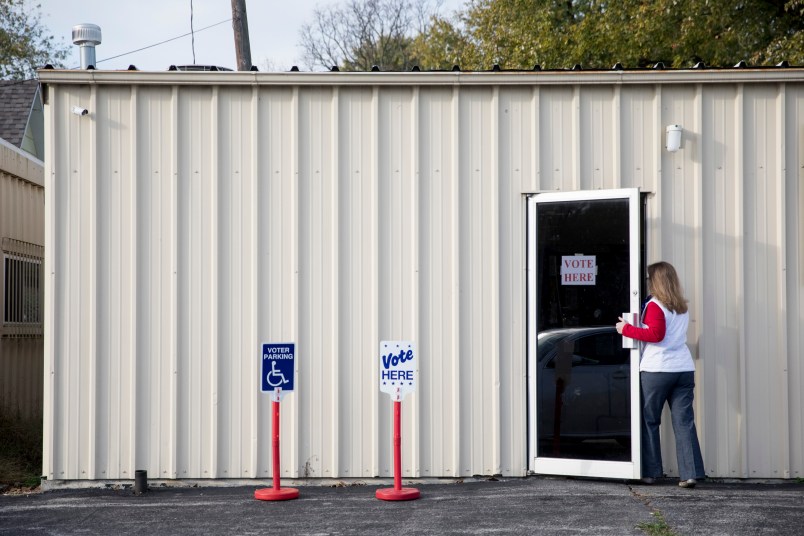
(584, 259)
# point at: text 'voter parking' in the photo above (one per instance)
(277, 352)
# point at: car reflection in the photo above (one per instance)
(584, 393)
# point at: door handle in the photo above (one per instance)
(620, 376)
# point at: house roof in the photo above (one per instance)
(16, 100)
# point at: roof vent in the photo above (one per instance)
(197, 67)
(86, 36)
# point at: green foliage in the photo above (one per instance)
(658, 527)
(20, 451)
(24, 43)
(442, 47)
(517, 34)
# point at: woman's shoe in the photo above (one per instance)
(647, 480)
(690, 483)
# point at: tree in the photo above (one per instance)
(360, 34)
(681, 33)
(25, 45)
(637, 33)
(442, 47)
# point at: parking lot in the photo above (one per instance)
(533, 505)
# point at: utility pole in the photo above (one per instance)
(240, 27)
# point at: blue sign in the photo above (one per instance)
(278, 364)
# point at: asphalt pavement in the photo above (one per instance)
(532, 505)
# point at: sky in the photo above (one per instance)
(274, 28)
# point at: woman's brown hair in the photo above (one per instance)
(666, 287)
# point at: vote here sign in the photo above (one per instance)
(398, 368)
(578, 270)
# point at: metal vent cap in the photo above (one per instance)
(86, 34)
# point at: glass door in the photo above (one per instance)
(584, 253)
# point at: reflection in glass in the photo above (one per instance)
(584, 394)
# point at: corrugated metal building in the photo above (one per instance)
(22, 237)
(193, 216)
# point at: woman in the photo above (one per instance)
(667, 374)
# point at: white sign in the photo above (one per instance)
(398, 368)
(578, 270)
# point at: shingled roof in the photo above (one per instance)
(16, 100)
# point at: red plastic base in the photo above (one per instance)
(393, 494)
(281, 494)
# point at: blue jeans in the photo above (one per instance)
(675, 388)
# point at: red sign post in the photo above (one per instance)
(397, 493)
(276, 377)
(398, 370)
(276, 493)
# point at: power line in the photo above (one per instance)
(163, 42)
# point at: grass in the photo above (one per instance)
(658, 527)
(20, 452)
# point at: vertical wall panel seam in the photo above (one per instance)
(74, 301)
(577, 142)
(535, 171)
(92, 313)
(374, 289)
(49, 368)
(698, 175)
(781, 218)
(655, 228)
(741, 278)
(496, 402)
(456, 289)
(133, 291)
(336, 233)
(214, 248)
(174, 288)
(295, 140)
(415, 321)
(618, 136)
(254, 342)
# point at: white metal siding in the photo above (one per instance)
(191, 218)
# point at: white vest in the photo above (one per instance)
(671, 353)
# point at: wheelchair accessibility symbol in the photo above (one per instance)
(278, 365)
(275, 378)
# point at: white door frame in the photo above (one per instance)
(576, 467)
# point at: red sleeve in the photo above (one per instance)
(654, 320)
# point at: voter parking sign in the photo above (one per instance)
(398, 368)
(278, 365)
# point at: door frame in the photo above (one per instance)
(579, 467)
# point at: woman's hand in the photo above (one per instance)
(620, 325)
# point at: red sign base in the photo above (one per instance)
(274, 494)
(402, 494)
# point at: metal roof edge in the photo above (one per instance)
(423, 78)
(21, 164)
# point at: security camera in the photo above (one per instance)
(673, 138)
(77, 110)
